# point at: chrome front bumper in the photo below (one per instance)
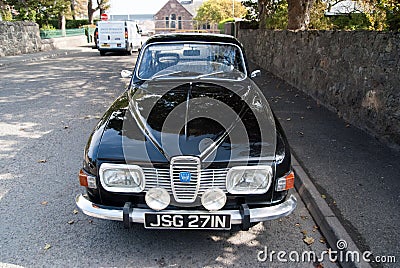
(136, 215)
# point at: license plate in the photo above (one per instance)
(187, 221)
(105, 45)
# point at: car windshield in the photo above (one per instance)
(191, 60)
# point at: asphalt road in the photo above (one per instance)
(47, 111)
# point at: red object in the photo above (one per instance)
(104, 16)
(83, 178)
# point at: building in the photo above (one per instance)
(177, 16)
(163, 16)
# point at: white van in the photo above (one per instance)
(118, 36)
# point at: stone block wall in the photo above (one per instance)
(19, 38)
(354, 73)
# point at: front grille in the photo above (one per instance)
(208, 178)
(185, 192)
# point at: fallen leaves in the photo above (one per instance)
(75, 211)
(44, 203)
(308, 240)
(42, 161)
(71, 222)
(323, 196)
(47, 247)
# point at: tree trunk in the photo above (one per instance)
(299, 14)
(100, 6)
(90, 11)
(73, 4)
(62, 24)
(262, 13)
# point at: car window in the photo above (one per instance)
(194, 60)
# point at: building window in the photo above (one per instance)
(206, 26)
(173, 20)
(179, 22)
(166, 22)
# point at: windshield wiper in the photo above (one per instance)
(162, 75)
(205, 75)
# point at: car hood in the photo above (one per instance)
(218, 121)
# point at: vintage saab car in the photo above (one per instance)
(191, 144)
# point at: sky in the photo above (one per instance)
(123, 7)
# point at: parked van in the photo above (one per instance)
(118, 36)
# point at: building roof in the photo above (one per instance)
(190, 5)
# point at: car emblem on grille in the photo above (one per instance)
(184, 176)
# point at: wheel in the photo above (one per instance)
(102, 53)
(130, 50)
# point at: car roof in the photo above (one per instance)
(197, 37)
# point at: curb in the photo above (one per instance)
(328, 223)
(13, 60)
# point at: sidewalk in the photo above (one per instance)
(356, 175)
(10, 60)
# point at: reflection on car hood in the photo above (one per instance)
(217, 121)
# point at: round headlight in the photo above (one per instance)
(157, 198)
(213, 199)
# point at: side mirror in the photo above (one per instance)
(126, 74)
(255, 73)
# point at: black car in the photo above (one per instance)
(191, 144)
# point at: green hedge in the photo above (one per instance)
(70, 24)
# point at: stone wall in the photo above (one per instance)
(356, 74)
(19, 38)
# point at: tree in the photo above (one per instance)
(78, 8)
(216, 10)
(5, 11)
(252, 9)
(102, 5)
(38, 10)
(266, 8)
(382, 14)
(299, 14)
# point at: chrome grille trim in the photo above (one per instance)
(209, 178)
(185, 192)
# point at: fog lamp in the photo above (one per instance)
(213, 199)
(157, 198)
(249, 180)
